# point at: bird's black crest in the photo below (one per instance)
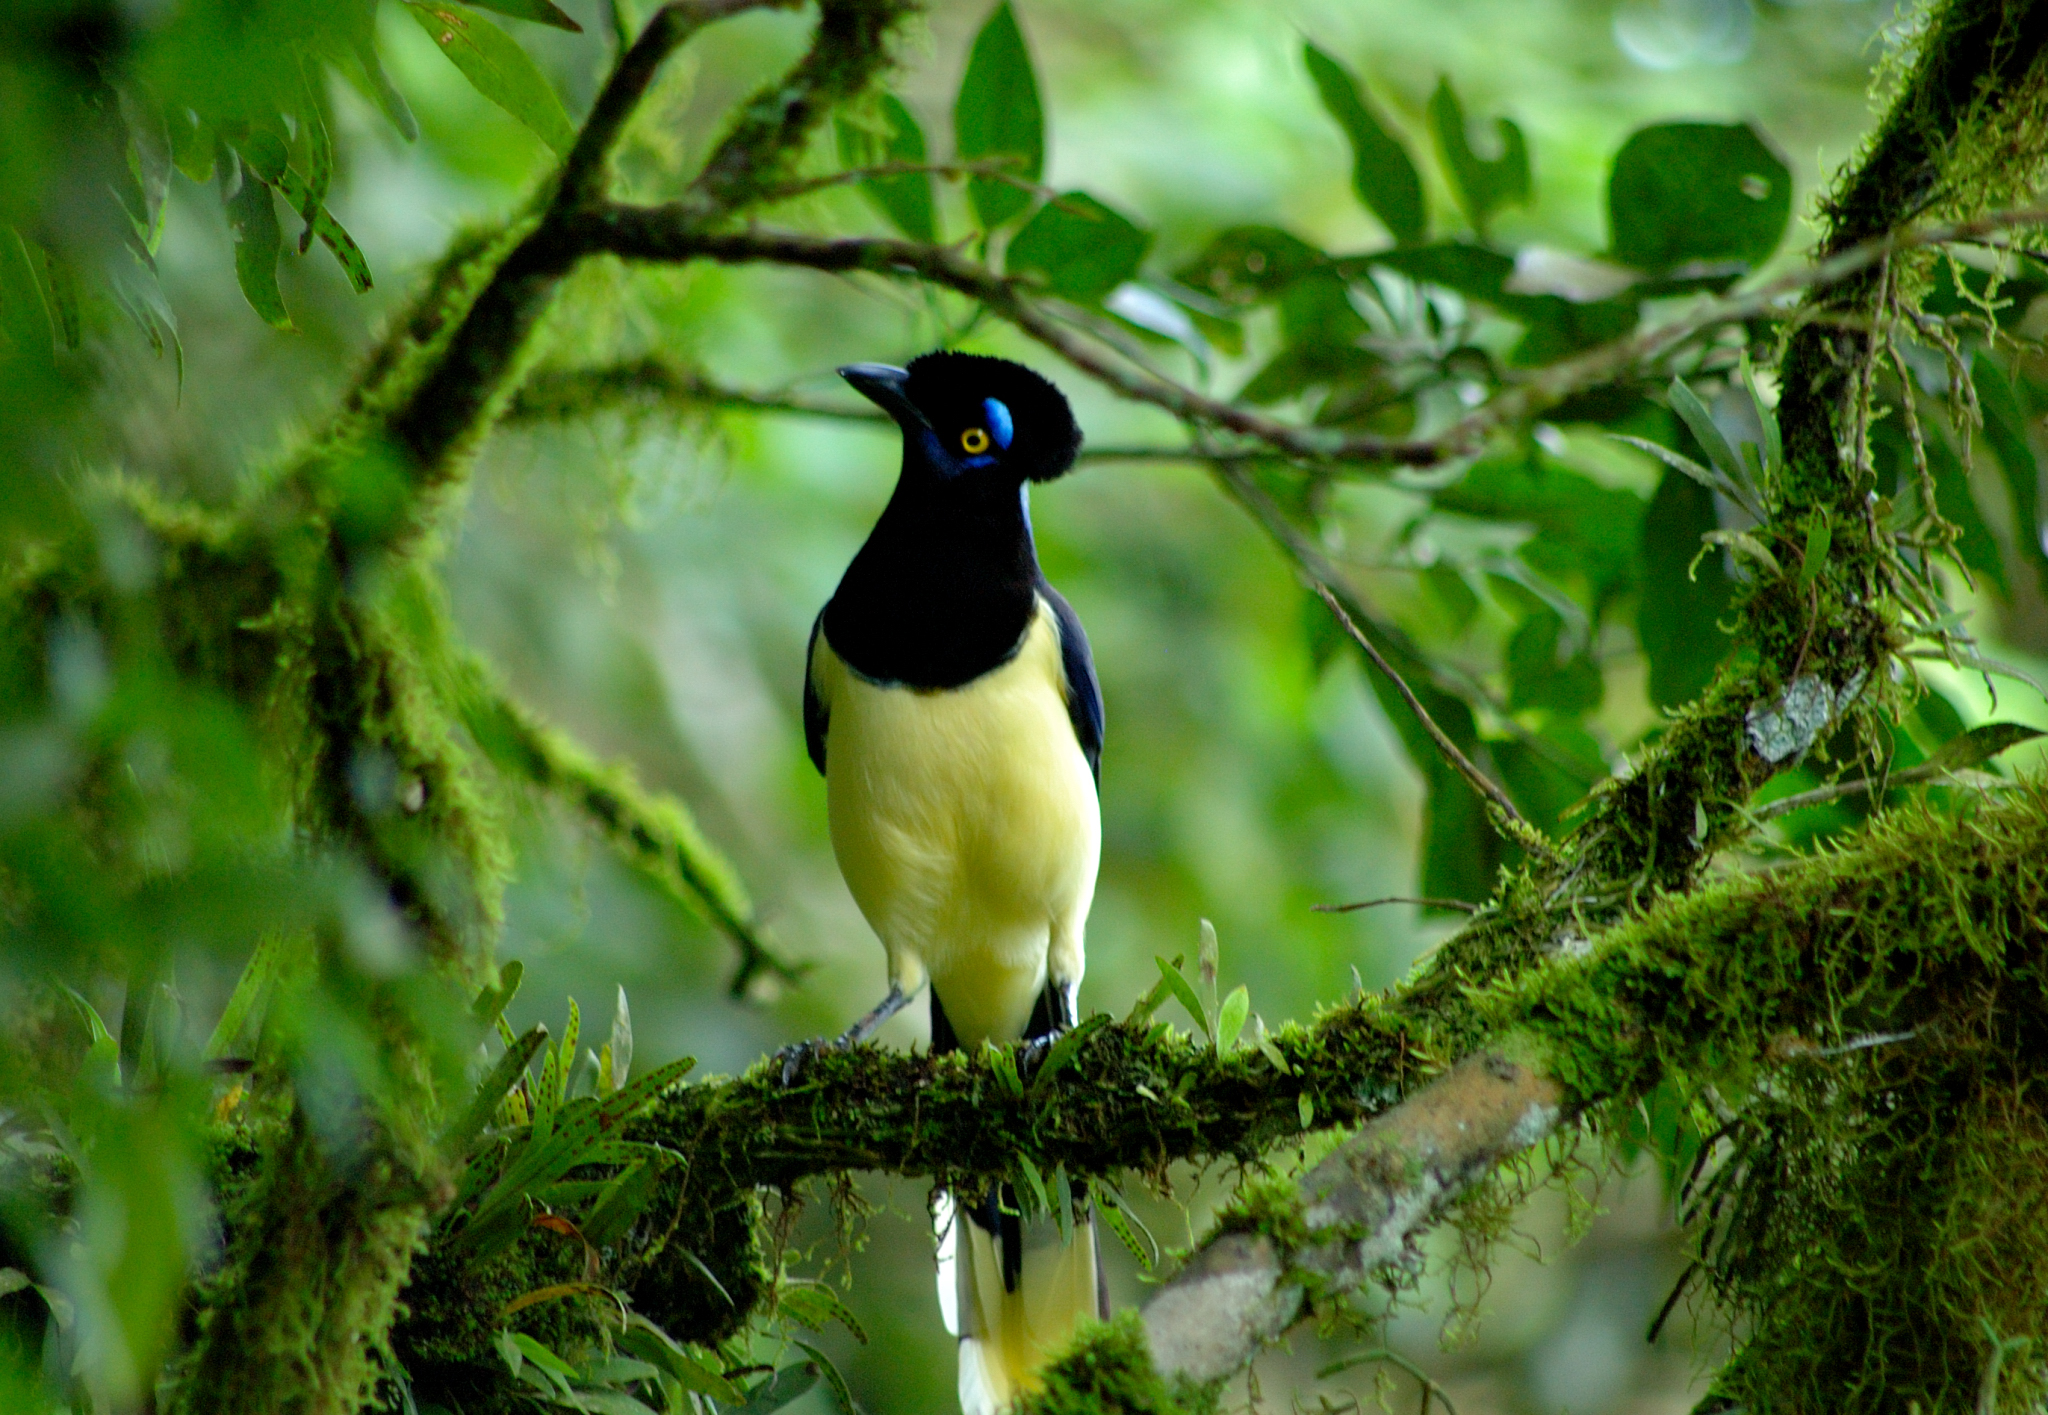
(949, 389)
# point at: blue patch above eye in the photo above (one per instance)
(999, 425)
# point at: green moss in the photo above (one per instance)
(1107, 1370)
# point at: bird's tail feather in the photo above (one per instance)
(1008, 1329)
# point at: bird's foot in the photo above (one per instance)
(794, 1057)
(1035, 1050)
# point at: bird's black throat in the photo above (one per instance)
(942, 591)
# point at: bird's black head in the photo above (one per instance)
(972, 416)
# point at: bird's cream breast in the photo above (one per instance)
(966, 824)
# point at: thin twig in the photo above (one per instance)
(1425, 902)
(676, 233)
(1840, 790)
(1474, 777)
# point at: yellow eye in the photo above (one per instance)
(974, 440)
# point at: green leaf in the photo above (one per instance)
(619, 1050)
(258, 241)
(817, 1306)
(1082, 248)
(103, 1053)
(2005, 428)
(905, 200)
(1246, 265)
(541, 12)
(1684, 194)
(541, 1356)
(1684, 593)
(295, 190)
(1939, 721)
(1063, 1204)
(1305, 1109)
(651, 1344)
(1820, 535)
(491, 1002)
(192, 145)
(1183, 991)
(312, 115)
(1720, 451)
(1483, 185)
(1124, 1224)
(1230, 1018)
(1035, 1182)
(149, 159)
(388, 97)
(997, 115)
(1382, 173)
(498, 68)
(625, 1199)
(1003, 1063)
(1976, 547)
(1981, 744)
(241, 1021)
(1065, 1050)
(785, 1387)
(842, 1393)
(1541, 675)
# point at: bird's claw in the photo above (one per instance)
(794, 1056)
(1035, 1050)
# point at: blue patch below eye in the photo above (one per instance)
(999, 425)
(982, 461)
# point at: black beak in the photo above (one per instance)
(883, 385)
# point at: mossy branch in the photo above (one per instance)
(1908, 933)
(652, 830)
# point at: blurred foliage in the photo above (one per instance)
(235, 903)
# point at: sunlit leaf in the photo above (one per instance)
(905, 198)
(1484, 185)
(1697, 193)
(1081, 248)
(997, 115)
(498, 68)
(1231, 1015)
(1183, 992)
(1382, 173)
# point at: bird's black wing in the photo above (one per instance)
(1084, 694)
(816, 715)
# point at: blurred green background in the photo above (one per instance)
(649, 580)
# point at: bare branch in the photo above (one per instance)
(1360, 1206)
(673, 233)
(1478, 780)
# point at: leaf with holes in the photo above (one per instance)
(1483, 185)
(1697, 194)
